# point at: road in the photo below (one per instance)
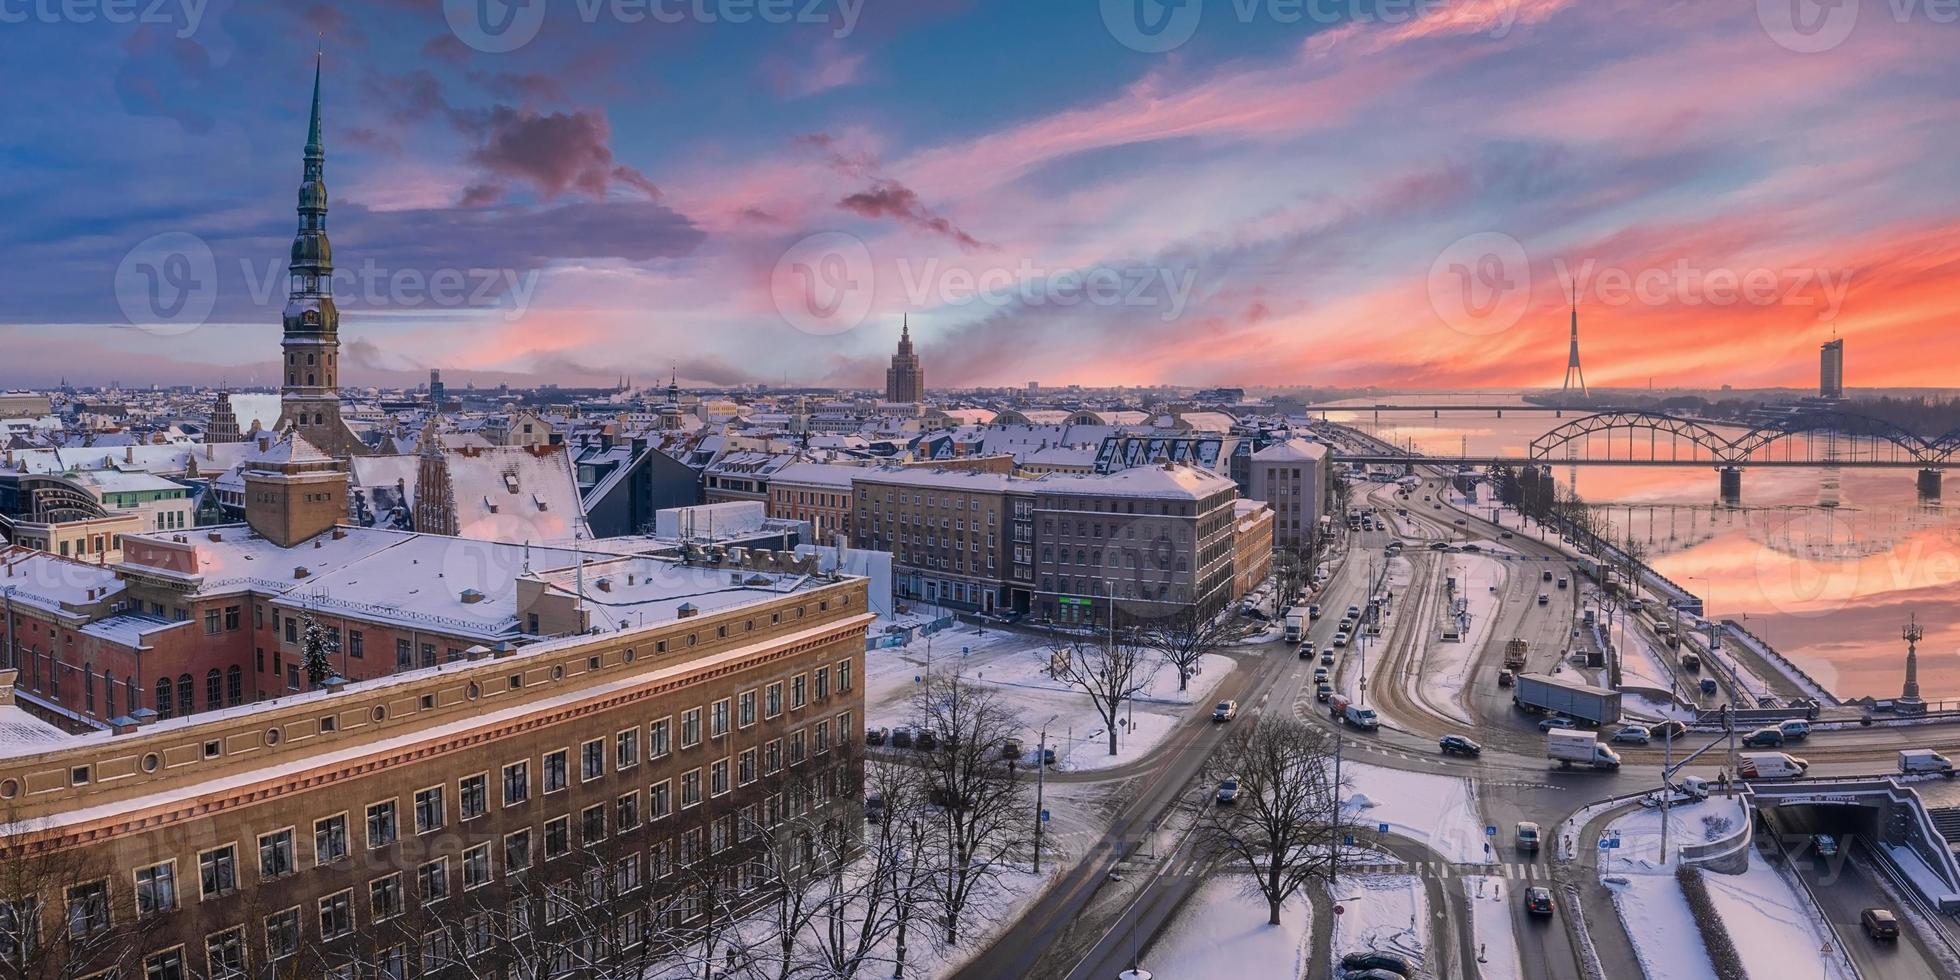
(1844, 887)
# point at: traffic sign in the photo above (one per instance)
(1490, 830)
(1044, 816)
(1605, 842)
(1338, 909)
(1381, 828)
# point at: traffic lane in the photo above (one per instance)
(1844, 889)
(1544, 946)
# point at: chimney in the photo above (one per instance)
(471, 597)
(215, 536)
(604, 585)
(301, 572)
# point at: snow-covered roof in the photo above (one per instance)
(1292, 449)
(422, 580)
(50, 582)
(834, 475)
(1176, 481)
(515, 493)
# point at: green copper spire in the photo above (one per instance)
(313, 128)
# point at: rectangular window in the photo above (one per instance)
(690, 728)
(843, 676)
(772, 700)
(517, 783)
(282, 933)
(823, 737)
(517, 851)
(381, 827)
(156, 888)
(745, 709)
(718, 778)
(592, 760)
(432, 881)
(88, 909)
(476, 867)
(745, 767)
(356, 644)
(276, 854)
(823, 683)
(217, 872)
(718, 719)
(772, 756)
(385, 897)
(796, 747)
(473, 797)
(592, 824)
(337, 915)
(626, 812)
(626, 749)
(659, 735)
(167, 965)
(557, 837)
(796, 692)
(438, 953)
(330, 839)
(557, 770)
(660, 800)
(690, 788)
(428, 809)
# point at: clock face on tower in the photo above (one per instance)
(311, 318)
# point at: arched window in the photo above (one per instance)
(186, 695)
(163, 698)
(135, 696)
(234, 686)
(214, 689)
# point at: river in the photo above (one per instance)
(1826, 563)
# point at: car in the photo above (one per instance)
(1313, 611)
(1323, 691)
(1526, 836)
(1794, 729)
(1459, 745)
(1439, 546)
(874, 808)
(1506, 677)
(1538, 900)
(1225, 711)
(1460, 522)
(1354, 612)
(1326, 658)
(1372, 975)
(1010, 748)
(1306, 650)
(1880, 924)
(1378, 960)
(1548, 575)
(1228, 791)
(1544, 600)
(1472, 546)
(877, 736)
(1251, 613)
(1633, 735)
(1763, 738)
(1341, 638)
(1505, 535)
(1827, 846)
(1319, 675)
(1557, 721)
(1667, 730)
(902, 737)
(925, 740)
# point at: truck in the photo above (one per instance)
(1296, 625)
(1924, 760)
(1771, 765)
(1569, 746)
(1543, 692)
(1514, 652)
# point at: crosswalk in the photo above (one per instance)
(1514, 870)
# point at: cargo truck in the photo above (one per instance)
(1514, 652)
(1296, 625)
(1569, 746)
(1542, 692)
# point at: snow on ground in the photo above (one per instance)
(1491, 904)
(1662, 928)
(1016, 665)
(1639, 831)
(1774, 929)
(1221, 931)
(1378, 912)
(1440, 811)
(1643, 661)
(1445, 670)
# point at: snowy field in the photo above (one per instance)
(1774, 929)
(1693, 823)
(1016, 665)
(1221, 932)
(1379, 912)
(1440, 811)
(1662, 928)
(1491, 904)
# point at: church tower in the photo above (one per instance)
(309, 401)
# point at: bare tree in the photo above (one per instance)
(977, 813)
(1184, 637)
(57, 921)
(1111, 668)
(1284, 822)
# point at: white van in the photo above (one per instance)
(1923, 760)
(1771, 765)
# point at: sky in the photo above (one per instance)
(1405, 193)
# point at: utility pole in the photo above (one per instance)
(1334, 864)
(1667, 785)
(1040, 781)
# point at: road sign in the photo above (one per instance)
(1348, 840)
(1044, 816)
(1381, 828)
(1490, 830)
(1339, 909)
(1605, 842)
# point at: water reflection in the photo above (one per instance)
(1826, 562)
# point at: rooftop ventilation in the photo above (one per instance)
(300, 571)
(215, 536)
(688, 610)
(471, 597)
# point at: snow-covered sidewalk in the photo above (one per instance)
(1221, 931)
(1384, 913)
(1491, 905)
(1440, 811)
(1661, 927)
(1775, 929)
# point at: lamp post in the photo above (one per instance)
(1909, 702)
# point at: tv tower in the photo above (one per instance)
(1573, 373)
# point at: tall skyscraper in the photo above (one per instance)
(309, 401)
(905, 380)
(1830, 368)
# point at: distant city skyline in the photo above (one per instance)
(556, 212)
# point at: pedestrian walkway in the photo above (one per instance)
(1515, 870)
